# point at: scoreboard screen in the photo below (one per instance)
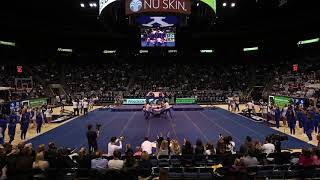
(158, 37)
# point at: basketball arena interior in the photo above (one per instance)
(159, 89)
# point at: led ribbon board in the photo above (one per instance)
(103, 4)
(158, 6)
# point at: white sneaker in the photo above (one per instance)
(310, 142)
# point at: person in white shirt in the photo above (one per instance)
(268, 147)
(116, 163)
(167, 109)
(250, 107)
(80, 105)
(147, 145)
(112, 145)
(75, 108)
(48, 114)
(283, 115)
(85, 106)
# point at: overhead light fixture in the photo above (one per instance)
(64, 50)
(224, 4)
(94, 4)
(82, 5)
(206, 51)
(233, 4)
(143, 51)
(251, 49)
(7, 43)
(172, 51)
(308, 41)
(109, 51)
(197, 4)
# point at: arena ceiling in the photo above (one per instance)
(52, 23)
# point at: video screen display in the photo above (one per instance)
(158, 37)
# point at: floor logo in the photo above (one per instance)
(135, 5)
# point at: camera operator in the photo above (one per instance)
(112, 145)
(92, 138)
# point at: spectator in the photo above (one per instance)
(116, 163)
(112, 145)
(187, 148)
(175, 148)
(221, 146)
(210, 150)
(83, 160)
(163, 148)
(230, 145)
(147, 145)
(268, 147)
(39, 162)
(199, 149)
(248, 160)
(145, 165)
(128, 149)
(99, 163)
(138, 151)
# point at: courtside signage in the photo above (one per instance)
(185, 101)
(134, 101)
(158, 6)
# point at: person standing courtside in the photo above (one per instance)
(92, 139)
(85, 105)
(75, 107)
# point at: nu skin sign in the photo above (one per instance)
(158, 6)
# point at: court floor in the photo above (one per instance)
(205, 125)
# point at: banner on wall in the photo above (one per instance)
(134, 101)
(158, 6)
(37, 102)
(185, 100)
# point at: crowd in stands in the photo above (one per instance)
(106, 81)
(297, 84)
(220, 161)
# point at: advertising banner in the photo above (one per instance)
(37, 102)
(14, 105)
(134, 101)
(158, 6)
(185, 100)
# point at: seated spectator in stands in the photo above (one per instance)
(24, 164)
(247, 146)
(63, 161)
(128, 149)
(138, 151)
(175, 148)
(99, 163)
(268, 147)
(116, 163)
(41, 148)
(257, 147)
(83, 159)
(145, 165)
(112, 145)
(51, 155)
(230, 145)
(40, 163)
(221, 146)
(237, 169)
(163, 149)
(199, 149)
(248, 160)
(210, 150)
(305, 159)
(147, 145)
(187, 148)
(316, 157)
(129, 162)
